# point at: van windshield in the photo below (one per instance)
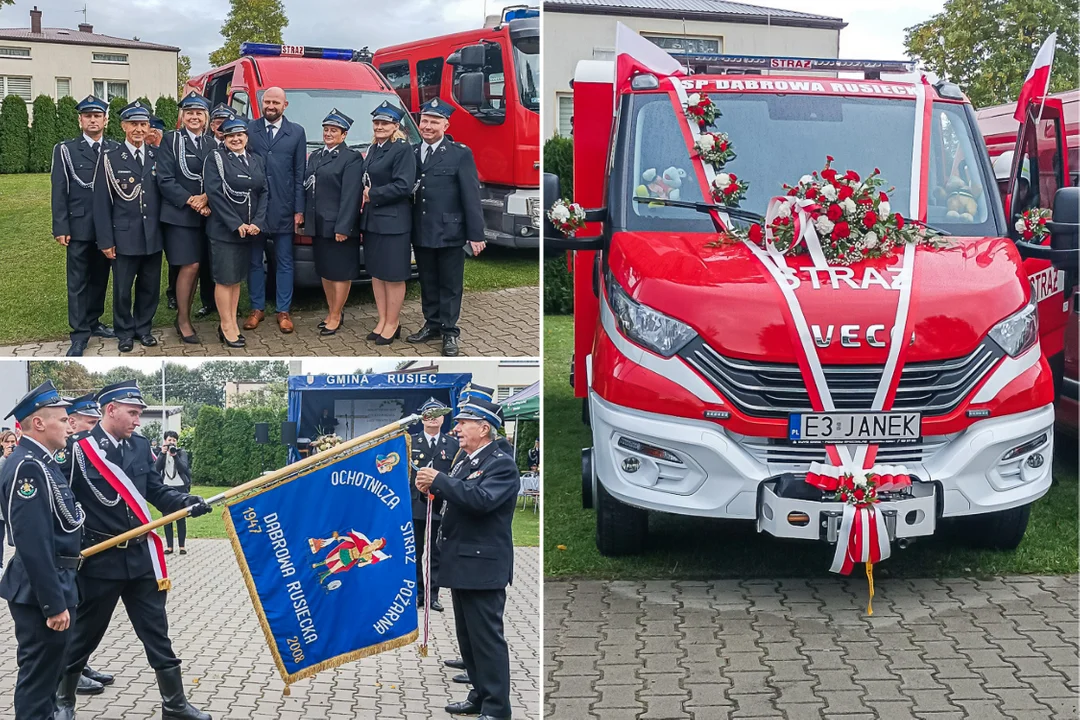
(527, 65)
(779, 138)
(310, 107)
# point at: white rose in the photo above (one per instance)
(1020, 226)
(693, 99)
(829, 192)
(806, 180)
(784, 210)
(884, 209)
(824, 225)
(849, 206)
(870, 240)
(706, 142)
(560, 213)
(722, 180)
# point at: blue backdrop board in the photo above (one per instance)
(329, 558)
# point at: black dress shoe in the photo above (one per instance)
(192, 339)
(463, 678)
(380, 340)
(102, 330)
(126, 345)
(203, 311)
(89, 687)
(456, 663)
(326, 330)
(147, 340)
(449, 346)
(239, 342)
(103, 678)
(436, 605)
(78, 347)
(464, 708)
(372, 336)
(424, 334)
(491, 717)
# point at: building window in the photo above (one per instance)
(397, 74)
(14, 52)
(429, 79)
(505, 391)
(566, 115)
(111, 57)
(682, 44)
(109, 89)
(599, 53)
(519, 362)
(15, 85)
(63, 87)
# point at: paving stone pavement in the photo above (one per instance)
(229, 672)
(804, 649)
(517, 333)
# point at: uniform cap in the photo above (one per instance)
(157, 123)
(125, 392)
(232, 126)
(387, 112)
(479, 409)
(222, 112)
(135, 112)
(476, 391)
(91, 103)
(43, 396)
(437, 107)
(336, 118)
(194, 101)
(85, 405)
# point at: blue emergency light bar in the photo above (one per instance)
(519, 12)
(297, 51)
(777, 62)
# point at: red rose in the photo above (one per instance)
(841, 231)
(835, 212)
(723, 146)
(883, 197)
(829, 158)
(845, 192)
(757, 233)
(899, 221)
(859, 493)
(732, 176)
(843, 497)
(792, 192)
(877, 171)
(811, 192)
(829, 174)
(852, 176)
(869, 220)
(1028, 235)
(730, 189)
(864, 201)
(1042, 221)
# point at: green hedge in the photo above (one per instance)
(558, 283)
(67, 118)
(559, 159)
(167, 109)
(113, 131)
(14, 135)
(527, 432)
(43, 134)
(223, 448)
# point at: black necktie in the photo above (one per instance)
(138, 156)
(270, 133)
(198, 142)
(428, 150)
(96, 147)
(243, 160)
(431, 443)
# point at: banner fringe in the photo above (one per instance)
(870, 580)
(164, 584)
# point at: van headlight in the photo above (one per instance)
(1018, 332)
(647, 327)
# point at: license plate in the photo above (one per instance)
(854, 428)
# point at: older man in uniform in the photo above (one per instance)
(127, 219)
(43, 520)
(431, 447)
(99, 462)
(157, 131)
(74, 166)
(478, 553)
(446, 213)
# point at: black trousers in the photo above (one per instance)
(133, 312)
(181, 532)
(421, 543)
(87, 281)
(206, 278)
(478, 618)
(40, 658)
(174, 272)
(442, 275)
(145, 606)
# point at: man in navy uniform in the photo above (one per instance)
(283, 147)
(477, 549)
(446, 213)
(485, 393)
(127, 219)
(125, 572)
(73, 174)
(157, 131)
(431, 447)
(43, 521)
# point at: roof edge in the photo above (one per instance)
(815, 23)
(102, 40)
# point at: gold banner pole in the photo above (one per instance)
(253, 484)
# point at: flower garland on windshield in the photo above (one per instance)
(717, 150)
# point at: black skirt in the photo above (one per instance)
(183, 245)
(387, 257)
(337, 261)
(230, 262)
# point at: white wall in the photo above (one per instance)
(493, 374)
(14, 384)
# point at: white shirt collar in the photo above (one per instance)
(327, 149)
(43, 448)
(90, 141)
(115, 442)
(474, 453)
(275, 125)
(132, 149)
(193, 136)
(431, 438)
(240, 154)
(435, 145)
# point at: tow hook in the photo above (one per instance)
(904, 543)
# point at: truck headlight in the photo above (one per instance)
(647, 327)
(532, 206)
(1018, 332)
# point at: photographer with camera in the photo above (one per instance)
(174, 464)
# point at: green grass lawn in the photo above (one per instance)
(33, 294)
(683, 547)
(526, 522)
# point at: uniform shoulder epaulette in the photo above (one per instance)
(79, 436)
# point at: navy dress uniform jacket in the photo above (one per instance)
(285, 160)
(131, 226)
(476, 541)
(442, 459)
(332, 200)
(447, 210)
(392, 172)
(226, 216)
(73, 204)
(175, 186)
(105, 521)
(30, 481)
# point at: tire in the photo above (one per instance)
(587, 499)
(620, 528)
(1001, 530)
(585, 419)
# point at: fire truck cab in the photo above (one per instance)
(315, 81)
(491, 77)
(687, 358)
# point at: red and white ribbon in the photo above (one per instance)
(799, 210)
(125, 488)
(863, 538)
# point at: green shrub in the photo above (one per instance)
(559, 159)
(558, 287)
(527, 432)
(113, 131)
(43, 134)
(14, 135)
(67, 118)
(224, 451)
(167, 109)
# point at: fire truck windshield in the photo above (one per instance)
(309, 107)
(527, 65)
(778, 138)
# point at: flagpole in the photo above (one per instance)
(253, 484)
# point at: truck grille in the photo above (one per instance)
(783, 452)
(774, 390)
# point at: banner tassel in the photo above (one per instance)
(164, 584)
(286, 692)
(427, 575)
(870, 580)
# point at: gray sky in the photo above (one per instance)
(195, 25)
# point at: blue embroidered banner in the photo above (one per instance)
(329, 558)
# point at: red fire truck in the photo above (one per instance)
(695, 369)
(492, 78)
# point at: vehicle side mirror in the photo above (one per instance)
(470, 92)
(471, 57)
(1065, 229)
(554, 240)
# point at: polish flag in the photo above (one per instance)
(1037, 81)
(634, 54)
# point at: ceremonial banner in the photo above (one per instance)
(329, 558)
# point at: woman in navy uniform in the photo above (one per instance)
(127, 221)
(235, 183)
(386, 219)
(331, 215)
(184, 207)
(44, 522)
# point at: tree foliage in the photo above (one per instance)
(167, 109)
(43, 135)
(987, 46)
(558, 283)
(223, 447)
(527, 432)
(113, 131)
(249, 21)
(67, 118)
(183, 74)
(14, 135)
